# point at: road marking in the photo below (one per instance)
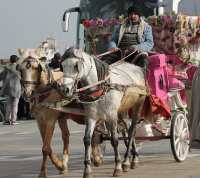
(3, 133)
(24, 133)
(76, 132)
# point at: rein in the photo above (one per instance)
(123, 59)
(95, 91)
(93, 85)
(106, 77)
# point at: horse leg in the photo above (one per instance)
(43, 170)
(135, 155)
(121, 117)
(47, 146)
(126, 162)
(65, 137)
(89, 129)
(47, 135)
(97, 156)
(46, 127)
(112, 126)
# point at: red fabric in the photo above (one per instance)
(97, 93)
(154, 105)
(77, 118)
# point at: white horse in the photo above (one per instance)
(117, 89)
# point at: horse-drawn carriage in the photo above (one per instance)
(168, 76)
(165, 104)
(161, 95)
(103, 91)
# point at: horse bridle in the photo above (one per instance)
(78, 92)
(77, 77)
(29, 60)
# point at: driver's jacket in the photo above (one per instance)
(144, 35)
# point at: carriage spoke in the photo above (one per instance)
(177, 140)
(176, 131)
(178, 148)
(185, 148)
(181, 125)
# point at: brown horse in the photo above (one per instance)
(35, 79)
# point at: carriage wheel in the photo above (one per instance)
(179, 136)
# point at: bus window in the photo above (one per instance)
(111, 9)
(190, 8)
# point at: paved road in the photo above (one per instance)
(20, 156)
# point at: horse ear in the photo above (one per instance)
(21, 51)
(78, 53)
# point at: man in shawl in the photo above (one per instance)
(11, 89)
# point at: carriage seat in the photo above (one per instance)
(162, 78)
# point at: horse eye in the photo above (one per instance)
(28, 65)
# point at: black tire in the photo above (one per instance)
(179, 136)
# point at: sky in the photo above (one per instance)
(25, 23)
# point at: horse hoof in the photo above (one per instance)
(117, 172)
(64, 172)
(87, 175)
(125, 167)
(98, 161)
(134, 165)
(42, 175)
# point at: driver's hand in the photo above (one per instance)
(113, 49)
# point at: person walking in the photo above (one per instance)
(11, 89)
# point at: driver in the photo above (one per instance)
(133, 35)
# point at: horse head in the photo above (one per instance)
(74, 68)
(31, 69)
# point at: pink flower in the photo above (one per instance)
(99, 22)
(93, 22)
(106, 22)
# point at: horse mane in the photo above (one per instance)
(72, 52)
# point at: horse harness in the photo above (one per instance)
(94, 92)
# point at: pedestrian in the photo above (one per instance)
(56, 61)
(11, 89)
